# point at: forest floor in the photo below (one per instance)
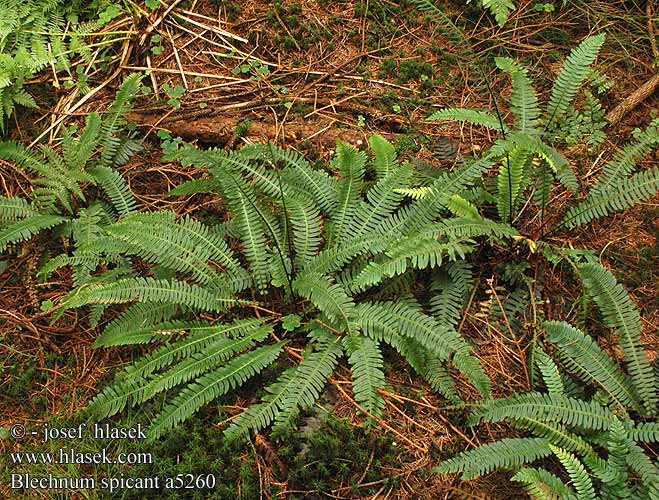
(304, 74)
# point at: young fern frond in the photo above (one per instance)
(621, 314)
(499, 9)
(571, 76)
(580, 354)
(509, 181)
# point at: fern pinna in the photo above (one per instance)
(343, 251)
(606, 409)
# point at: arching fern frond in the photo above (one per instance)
(621, 313)
(508, 453)
(619, 196)
(24, 229)
(148, 290)
(320, 361)
(546, 408)
(543, 485)
(577, 472)
(580, 354)
(214, 385)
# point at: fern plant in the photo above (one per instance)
(607, 409)
(345, 253)
(528, 156)
(36, 34)
(59, 180)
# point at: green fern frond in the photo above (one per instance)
(460, 207)
(423, 212)
(449, 290)
(416, 193)
(242, 202)
(24, 229)
(472, 116)
(645, 432)
(136, 324)
(508, 453)
(461, 229)
(571, 76)
(545, 408)
(114, 120)
(197, 363)
(509, 181)
(382, 200)
(15, 208)
(550, 374)
(214, 385)
(384, 161)
(366, 363)
(185, 245)
(194, 186)
(560, 436)
(414, 252)
(202, 351)
(624, 162)
(577, 472)
(523, 98)
(259, 416)
(320, 361)
(329, 297)
(581, 355)
(200, 335)
(387, 320)
(116, 188)
(543, 485)
(499, 9)
(306, 223)
(621, 313)
(623, 194)
(148, 290)
(351, 166)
